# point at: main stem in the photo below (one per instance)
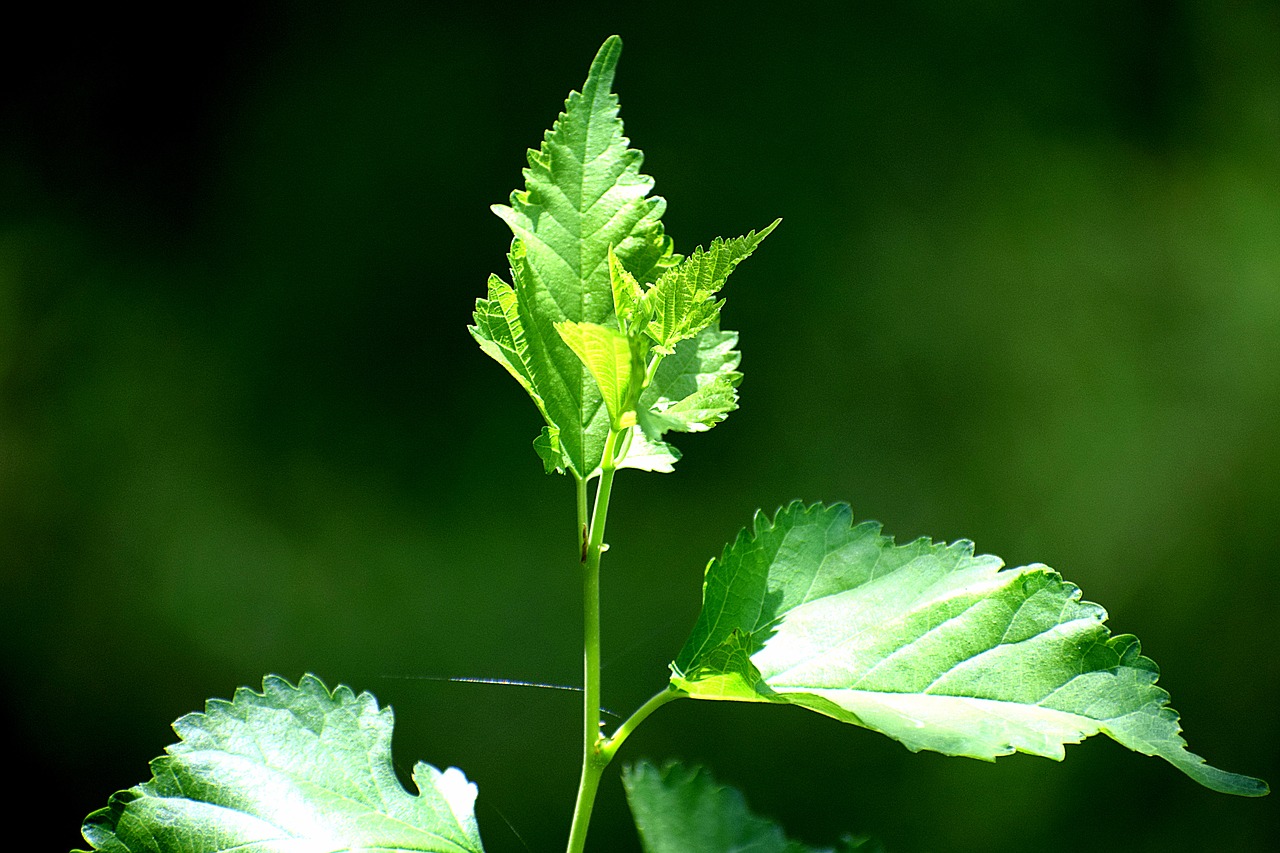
(593, 759)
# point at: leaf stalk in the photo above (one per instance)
(614, 742)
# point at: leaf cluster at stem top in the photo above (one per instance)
(602, 323)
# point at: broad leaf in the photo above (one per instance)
(289, 770)
(926, 643)
(680, 809)
(584, 193)
(681, 302)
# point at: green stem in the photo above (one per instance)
(593, 762)
(652, 369)
(614, 742)
(587, 787)
(581, 485)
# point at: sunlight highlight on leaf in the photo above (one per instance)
(289, 769)
(924, 642)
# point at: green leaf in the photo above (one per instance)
(680, 809)
(289, 769)
(700, 411)
(695, 387)
(926, 643)
(500, 333)
(547, 446)
(646, 454)
(584, 193)
(627, 295)
(612, 363)
(681, 304)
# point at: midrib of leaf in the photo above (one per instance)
(908, 646)
(599, 105)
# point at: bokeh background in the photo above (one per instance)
(1026, 291)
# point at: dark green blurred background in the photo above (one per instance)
(1027, 291)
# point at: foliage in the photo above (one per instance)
(926, 643)
(290, 768)
(617, 340)
(679, 808)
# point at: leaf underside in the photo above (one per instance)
(924, 642)
(680, 809)
(289, 770)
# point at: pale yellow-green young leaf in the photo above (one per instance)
(608, 356)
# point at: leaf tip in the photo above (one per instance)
(604, 64)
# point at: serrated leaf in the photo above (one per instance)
(681, 302)
(680, 809)
(584, 193)
(500, 333)
(926, 643)
(695, 387)
(609, 358)
(287, 770)
(700, 411)
(627, 294)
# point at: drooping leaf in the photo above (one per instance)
(679, 809)
(926, 643)
(609, 358)
(681, 303)
(288, 770)
(584, 193)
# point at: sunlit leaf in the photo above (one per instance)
(926, 643)
(617, 370)
(288, 770)
(584, 193)
(627, 293)
(695, 387)
(681, 303)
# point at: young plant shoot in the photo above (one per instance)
(617, 340)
